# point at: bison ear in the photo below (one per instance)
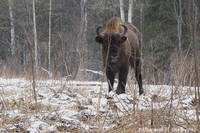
(99, 39)
(123, 39)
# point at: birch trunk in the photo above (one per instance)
(35, 37)
(130, 11)
(180, 21)
(49, 44)
(83, 28)
(12, 30)
(178, 15)
(85, 23)
(122, 13)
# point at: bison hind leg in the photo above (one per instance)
(138, 76)
(136, 64)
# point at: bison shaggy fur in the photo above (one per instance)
(121, 48)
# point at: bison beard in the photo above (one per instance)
(121, 49)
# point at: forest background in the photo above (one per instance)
(61, 35)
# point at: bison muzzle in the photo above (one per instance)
(121, 48)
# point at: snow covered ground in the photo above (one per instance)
(75, 106)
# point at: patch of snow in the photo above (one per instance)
(71, 105)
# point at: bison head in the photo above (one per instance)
(111, 43)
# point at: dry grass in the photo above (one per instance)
(161, 115)
(163, 119)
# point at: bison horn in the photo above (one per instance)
(125, 29)
(97, 30)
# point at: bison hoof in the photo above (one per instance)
(119, 91)
(141, 92)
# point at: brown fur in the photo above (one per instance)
(113, 25)
(123, 51)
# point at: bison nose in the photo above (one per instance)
(114, 59)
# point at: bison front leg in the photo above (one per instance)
(122, 79)
(110, 78)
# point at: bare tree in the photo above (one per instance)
(12, 29)
(85, 23)
(29, 40)
(130, 11)
(193, 27)
(81, 48)
(49, 44)
(178, 15)
(35, 37)
(122, 13)
(141, 25)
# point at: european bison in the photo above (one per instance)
(121, 47)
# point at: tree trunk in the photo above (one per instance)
(84, 27)
(82, 41)
(12, 30)
(130, 11)
(49, 44)
(35, 37)
(29, 40)
(141, 29)
(26, 51)
(193, 19)
(180, 21)
(122, 13)
(178, 15)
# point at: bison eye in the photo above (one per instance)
(99, 39)
(122, 39)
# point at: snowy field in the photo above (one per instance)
(75, 106)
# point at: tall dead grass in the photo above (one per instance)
(169, 118)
